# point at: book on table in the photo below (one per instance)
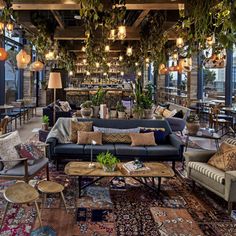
(131, 167)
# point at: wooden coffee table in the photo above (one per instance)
(81, 169)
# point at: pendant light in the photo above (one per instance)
(10, 27)
(113, 34)
(3, 54)
(120, 58)
(179, 42)
(121, 32)
(1, 27)
(129, 51)
(22, 59)
(107, 48)
(36, 66)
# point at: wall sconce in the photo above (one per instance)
(179, 42)
(129, 51)
(121, 32)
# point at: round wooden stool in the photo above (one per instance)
(49, 187)
(21, 193)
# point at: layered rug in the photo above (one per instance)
(123, 207)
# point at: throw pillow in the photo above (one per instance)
(167, 113)
(145, 139)
(159, 110)
(159, 133)
(225, 158)
(116, 138)
(29, 151)
(89, 137)
(8, 151)
(79, 126)
(65, 106)
(179, 114)
(115, 131)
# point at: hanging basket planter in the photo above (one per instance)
(3, 54)
(36, 66)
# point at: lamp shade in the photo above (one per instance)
(36, 66)
(22, 59)
(54, 80)
(3, 54)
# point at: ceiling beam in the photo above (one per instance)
(74, 5)
(140, 18)
(58, 18)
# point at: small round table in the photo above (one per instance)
(21, 193)
(49, 187)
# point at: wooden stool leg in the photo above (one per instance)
(63, 199)
(4, 215)
(38, 212)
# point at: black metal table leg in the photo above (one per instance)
(80, 180)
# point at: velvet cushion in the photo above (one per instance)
(8, 151)
(116, 138)
(89, 137)
(79, 126)
(179, 114)
(145, 139)
(159, 134)
(225, 158)
(29, 151)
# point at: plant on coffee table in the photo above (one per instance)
(108, 161)
(192, 123)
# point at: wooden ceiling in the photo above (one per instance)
(71, 30)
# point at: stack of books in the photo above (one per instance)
(131, 167)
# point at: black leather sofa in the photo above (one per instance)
(170, 150)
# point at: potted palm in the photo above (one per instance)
(97, 100)
(147, 106)
(192, 123)
(86, 109)
(108, 161)
(120, 108)
(45, 122)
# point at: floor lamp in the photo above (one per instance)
(54, 83)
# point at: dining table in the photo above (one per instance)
(6, 108)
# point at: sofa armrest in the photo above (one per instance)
(198, 156)
(230, 186)
(175, 141)
(52, 143)
(176, 124)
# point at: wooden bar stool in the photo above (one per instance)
(50, 187)
(21, 193)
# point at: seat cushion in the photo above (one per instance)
(99, 148)
(127, 150)
(69, 148)
(162, 150)
(19, 169)
(208, 170)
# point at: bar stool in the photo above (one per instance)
(50, 187)
(21, 193)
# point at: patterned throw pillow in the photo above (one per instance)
(79, 126)
(159, 134)
(8, 151)
(65, 106)
(146, 139)
(225, 158)
(89, 138)
(167, 113)
(115, 131)
(29, 151)
(116, 138)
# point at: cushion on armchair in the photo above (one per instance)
(225, 158)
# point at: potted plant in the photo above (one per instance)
(120, 108)
(108, 161)
(113, 114)
(137, 111)
(86, 109)
(45, 122)
(192, 123)
(147, 106)
(97, 100)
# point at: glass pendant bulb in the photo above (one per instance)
(121, 32)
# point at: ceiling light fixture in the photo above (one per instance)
(129, 51)
(121, 32)
(179, 42)
(113, 34)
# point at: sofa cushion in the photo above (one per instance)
(19, 169)
(162, 150)
(76, 126)
(127, 150)
(99, 148)
(116, 138)
(144, 139)
(69, 148)
(89, 138)
(208, 170)
(225, 158)
(114, 130)
(159, 134)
